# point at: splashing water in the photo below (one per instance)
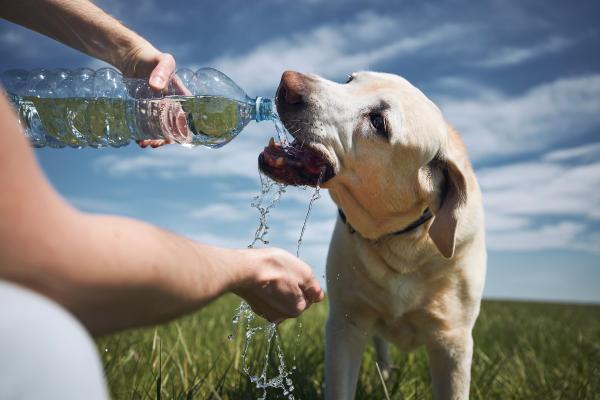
(264, 203)
(245, 318)
(315, 196)
(281, 131)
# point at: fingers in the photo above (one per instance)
(180, 88)
(154, 143)
(312, 291)
(280, 314)
(310, 286)
(173, 121)
(271, 312)
(277, 302)
(162, 72)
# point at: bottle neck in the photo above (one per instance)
(263, 109)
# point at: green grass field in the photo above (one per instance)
(522, 351)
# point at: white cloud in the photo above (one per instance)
(586, 153)
(497, 222)
(516, 55)
(333, 50)
(317, 231)
(542, 189)
(520, 199)
(494, 124)
(564, 235)
(145, 11)
(22, 42)
(219, 240)
(220, 212)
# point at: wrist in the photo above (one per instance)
(243, 269)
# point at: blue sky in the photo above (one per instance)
(520, 81)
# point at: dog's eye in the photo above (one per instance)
(350, 77)
(378, 122)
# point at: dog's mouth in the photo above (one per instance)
(295, 164)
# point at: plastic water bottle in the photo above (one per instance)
(82, 107)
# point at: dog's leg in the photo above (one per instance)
(383, 355)
(345, 340)
(450, 365)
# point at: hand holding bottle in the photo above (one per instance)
(145, 61)
(101, 37)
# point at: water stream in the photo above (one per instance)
(315, 196)
(246, 320)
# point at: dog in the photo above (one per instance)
(407, 259)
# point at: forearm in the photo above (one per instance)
(115, 273)
(79, 24)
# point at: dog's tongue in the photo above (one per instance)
(293, 164)
(281, 155)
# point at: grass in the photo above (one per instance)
(522, 351)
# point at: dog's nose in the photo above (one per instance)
(292, 88)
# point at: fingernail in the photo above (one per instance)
(156, 81)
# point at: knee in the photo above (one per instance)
(49, 351)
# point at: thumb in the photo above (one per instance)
(312, 290)
(162, 72)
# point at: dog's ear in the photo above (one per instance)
(443, 229)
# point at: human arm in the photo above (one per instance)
(84, 26)
(114, 273)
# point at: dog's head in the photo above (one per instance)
(380, 146)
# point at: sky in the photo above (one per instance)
(519, 80)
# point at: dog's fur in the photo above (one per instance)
(422, 287)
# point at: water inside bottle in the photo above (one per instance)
(79, 122)
(216, 120)
(255, 366)
(190, 120)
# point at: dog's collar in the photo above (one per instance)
(426, 216)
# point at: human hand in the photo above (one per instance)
(145, 61)
(278, 285)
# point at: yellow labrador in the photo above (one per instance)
(407, 259)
